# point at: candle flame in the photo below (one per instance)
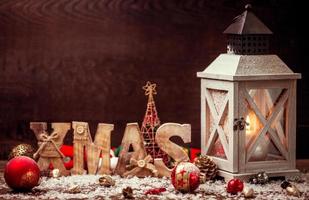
(249, 126)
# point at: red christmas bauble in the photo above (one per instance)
(234, 185)
(185, 177)
(21, 173)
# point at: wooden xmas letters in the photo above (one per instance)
(136, 163)
(83, 140)
(49, 145)
(132, 137)
(164, 133)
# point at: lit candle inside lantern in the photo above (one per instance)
(252, 126)
(249, 128)
(252, 129)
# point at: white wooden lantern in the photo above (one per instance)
(248, 105)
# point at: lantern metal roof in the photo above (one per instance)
(240, 67)
(248, 67)
(247, 23)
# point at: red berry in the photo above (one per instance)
(234, 185)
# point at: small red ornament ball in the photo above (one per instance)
(21, 173)
(235, 185)
(185, 177)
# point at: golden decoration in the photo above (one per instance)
(150, 88)
(21, 150)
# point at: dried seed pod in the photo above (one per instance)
(127, 193)
(74, 189)
(248, 192)
(293, 191)
(106, 181)
(285, 184)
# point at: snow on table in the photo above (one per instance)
(89, 188)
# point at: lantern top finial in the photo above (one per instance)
(248, 6)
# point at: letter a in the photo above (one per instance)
(132, 136)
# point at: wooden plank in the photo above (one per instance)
(259, 77)
(234, 136)
(242, 112)
(267, 84)
(218, 85)
(222, 163)
(272, 165)
(204, 120)
(291, 123)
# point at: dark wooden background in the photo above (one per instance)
(64, 60)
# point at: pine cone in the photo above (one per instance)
(207, 167)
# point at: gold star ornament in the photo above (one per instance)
(150, 88)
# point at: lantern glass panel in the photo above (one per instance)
(266, 124)
(217, 149)
(217, 120)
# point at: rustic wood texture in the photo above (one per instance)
(102, 141)
(142, 168)
(132, 137)
(86, 60)
(80, 141)
(49, 145)
(83, 144)
(162, 169)
(164, 133)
